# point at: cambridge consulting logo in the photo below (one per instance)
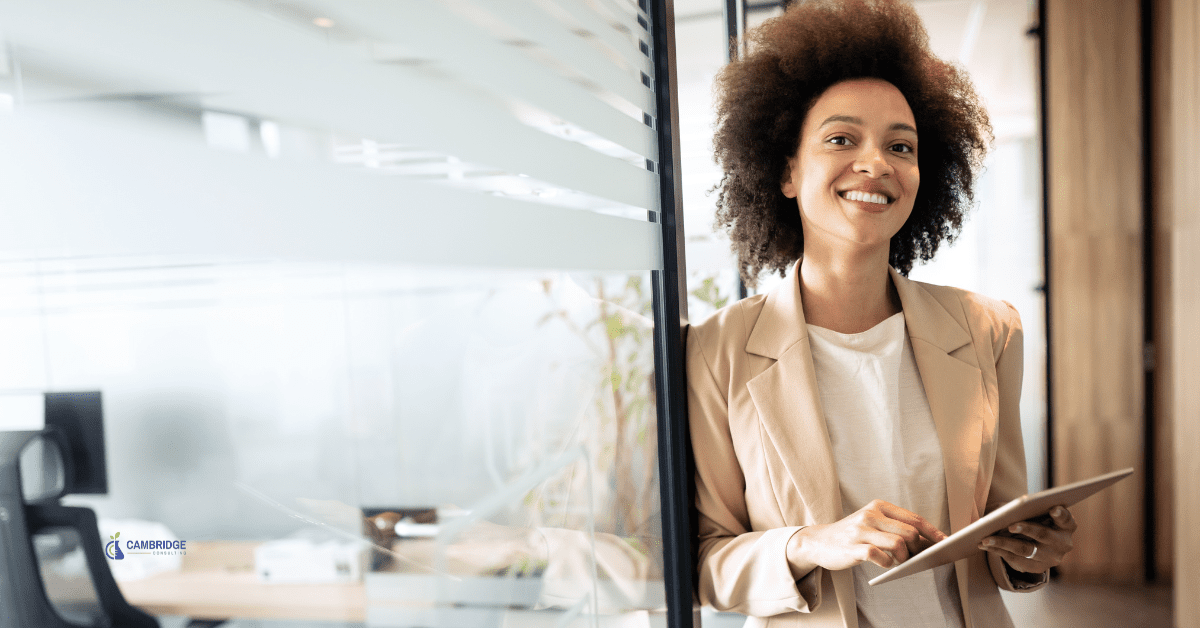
(113, 549)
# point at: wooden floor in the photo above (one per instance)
(1060, 605)
(1093, 606)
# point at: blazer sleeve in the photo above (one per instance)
(1009, 475)
(740, 569)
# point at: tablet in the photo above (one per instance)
(966, 541)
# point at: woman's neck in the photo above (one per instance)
(847, 295)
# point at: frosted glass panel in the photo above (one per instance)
(88, 181)
(452, 83)
(366, 290)
(506, 418)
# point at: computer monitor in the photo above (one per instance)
(80, 417)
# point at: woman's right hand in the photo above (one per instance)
(880, 532)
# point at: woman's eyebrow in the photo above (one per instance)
(896, 126)
(841, 118)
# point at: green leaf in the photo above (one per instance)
(708, 292)
(632, 379)
(117, 536)
(615, 327)
(637, 545)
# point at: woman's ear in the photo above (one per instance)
(786, 185)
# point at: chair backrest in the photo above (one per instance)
(23, 595)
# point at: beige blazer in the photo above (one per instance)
(765, 467)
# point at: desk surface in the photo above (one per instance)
(218, 594)
(218, 582)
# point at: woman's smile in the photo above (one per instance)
(871, 198)
(868, 200)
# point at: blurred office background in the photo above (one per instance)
(323, 257)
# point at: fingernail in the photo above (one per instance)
(1016, 527)
(1058, 511)
(989, 542)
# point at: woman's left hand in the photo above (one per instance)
(1044, 548)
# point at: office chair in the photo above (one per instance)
(25, 512)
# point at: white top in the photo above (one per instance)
(886, 447)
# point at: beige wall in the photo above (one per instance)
(1177, 225)
(1094, 164)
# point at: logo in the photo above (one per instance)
(113, 548)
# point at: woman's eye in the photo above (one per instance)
(840, 140)
(902, 148)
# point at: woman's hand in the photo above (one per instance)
(1039, 546)
(882, 533)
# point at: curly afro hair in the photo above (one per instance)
(763, 97)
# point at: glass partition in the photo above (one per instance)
(366, 288)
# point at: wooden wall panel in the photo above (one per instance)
(1094, 162)
(1177, 222)
(1161, 183)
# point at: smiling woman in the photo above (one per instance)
(855, 178)
(855, 174)
(763, 99)
(851, 417)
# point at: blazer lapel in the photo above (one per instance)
(954, 386)
(789, 406)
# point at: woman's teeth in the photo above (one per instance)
(867, 197)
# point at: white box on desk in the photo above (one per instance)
(302, 561)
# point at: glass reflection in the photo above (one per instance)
(271, 414)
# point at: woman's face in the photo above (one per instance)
(855, 173)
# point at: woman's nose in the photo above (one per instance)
(873, 162)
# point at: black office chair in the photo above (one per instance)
(26, 511)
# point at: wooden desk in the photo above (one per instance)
(218, 594)
(217, 581)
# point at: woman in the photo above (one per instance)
(851, 417)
